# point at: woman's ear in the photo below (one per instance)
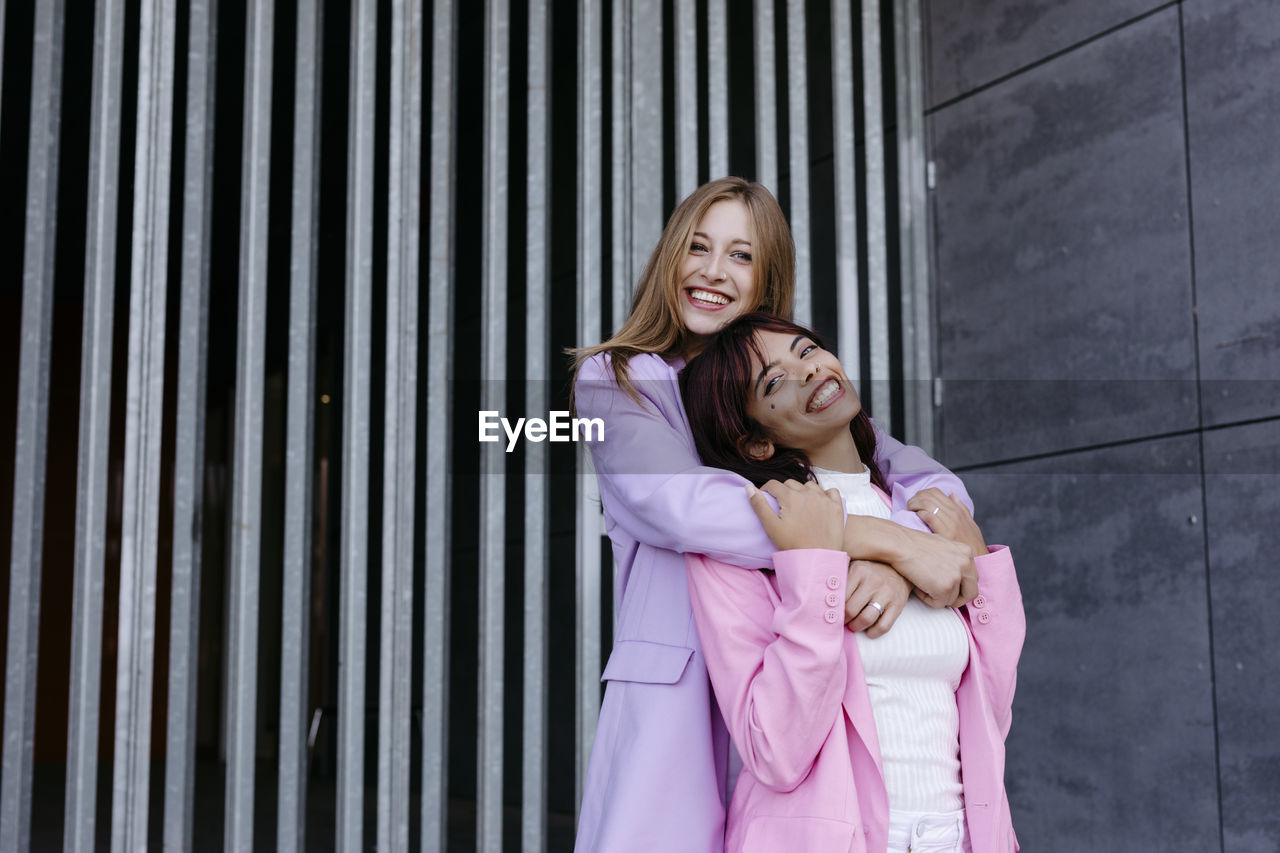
(758, 449)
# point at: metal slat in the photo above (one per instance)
(622, 276)
(95, 428)
(533, 782)
(184, 623)
(143, 420)
(647, 214)
(913, 227)
(400, 433)
(32, 418)
(193, 326)
(686, 80)
(717, 89)
(766, 97)
(439, 411)
(877, 261)
(357, 373)
(848, 319)
(489, 729)
(798, 129)
(246, 484)
(587, 527)
(291, 816)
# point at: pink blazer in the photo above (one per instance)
(789, 681)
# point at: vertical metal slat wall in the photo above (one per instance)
(438, 510)
(356, 428)
(79, 812)
(31, 417)
(144, 410)
(300, 436)
(395, 676)
(493, 376)
(189, 462)
(533, 735)
(455, 566)
(241, 700)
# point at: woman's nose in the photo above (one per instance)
(714, 269)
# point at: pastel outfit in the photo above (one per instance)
(656, 779)
(791, 684)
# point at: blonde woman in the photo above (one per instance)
(659, 763)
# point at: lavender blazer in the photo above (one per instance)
(790, 682)
(656, 778)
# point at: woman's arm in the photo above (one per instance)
(941, 570)
(777, 664)
(908, 470)
(776, 659)
(999, 626)
(655, 488)
(651, 481)
(996, 616)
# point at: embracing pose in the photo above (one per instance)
(848, 742)
(658, 768)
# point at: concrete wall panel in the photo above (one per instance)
(973, 42)
(1242, 493)
(1112, 747)
(1063, 259)
(1233, 115)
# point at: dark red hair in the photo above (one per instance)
(716, 386)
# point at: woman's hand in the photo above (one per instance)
(871, 581)
(942, 570)
(947, 517)
(807, 516)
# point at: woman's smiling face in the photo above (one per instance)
(801, 397)
(717, 277)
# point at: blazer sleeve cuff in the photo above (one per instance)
(811, 585)
(999, 596)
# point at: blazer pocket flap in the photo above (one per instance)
(766, 834)
(651, 663)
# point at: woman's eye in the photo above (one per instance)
(769, 386)
(697, 247)
(810, 348)
(745, 257)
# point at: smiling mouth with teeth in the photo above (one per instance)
(824, 395)
(708, 297)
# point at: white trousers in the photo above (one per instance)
(912, 832)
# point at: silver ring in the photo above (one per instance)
(935, 509)
(878, 606)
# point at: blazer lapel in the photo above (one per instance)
(857, 707)
(864, 751)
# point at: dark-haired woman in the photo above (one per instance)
(893, 743)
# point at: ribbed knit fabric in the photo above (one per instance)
(912, 675)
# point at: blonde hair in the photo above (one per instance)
(655, 324)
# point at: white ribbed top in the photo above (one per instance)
(912, 675)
